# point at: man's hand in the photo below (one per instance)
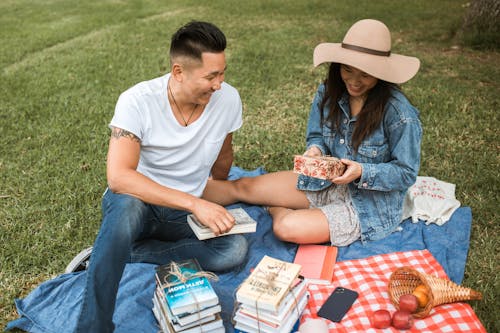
(353, 171)
(214, 216)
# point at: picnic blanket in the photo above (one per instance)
(53, 306)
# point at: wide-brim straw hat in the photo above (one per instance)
(367, 46)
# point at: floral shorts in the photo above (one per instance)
(335, 202)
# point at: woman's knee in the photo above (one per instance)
(283, 230)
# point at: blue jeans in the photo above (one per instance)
(133, 231)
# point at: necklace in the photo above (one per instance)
(186, 122)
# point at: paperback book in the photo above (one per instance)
(215, 325)
(290, 304)
(186, 319)
(244, 223)
(268, 284)
(194, 295)
(317, 262)
(251, 323)
(184, 300)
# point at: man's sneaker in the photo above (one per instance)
(80, 262)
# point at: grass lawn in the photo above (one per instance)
(63, 64)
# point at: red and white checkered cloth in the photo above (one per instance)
(370, 278)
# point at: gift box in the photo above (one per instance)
(323, 167)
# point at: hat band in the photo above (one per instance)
(366, 50)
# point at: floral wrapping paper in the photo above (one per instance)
(323, 167)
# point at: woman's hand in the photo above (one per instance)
(313, 152)
(353, 171)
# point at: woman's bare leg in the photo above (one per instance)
(293, 221)
(303, 226)
(271, 189)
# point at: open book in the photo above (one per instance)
(244, 223)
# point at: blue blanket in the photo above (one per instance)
(53, 306)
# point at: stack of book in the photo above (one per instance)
(191, 306)
(271, 299)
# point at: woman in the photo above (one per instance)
(360, 115)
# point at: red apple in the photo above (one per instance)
(402, 320)
(408, 303)
(381, 319)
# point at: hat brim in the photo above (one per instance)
(395, 68)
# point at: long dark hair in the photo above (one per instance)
(370, 115)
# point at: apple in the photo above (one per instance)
(402, 320)
(408, 303)
(381, 319)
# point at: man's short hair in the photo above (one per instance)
(197, 37)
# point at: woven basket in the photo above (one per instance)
(405, 279)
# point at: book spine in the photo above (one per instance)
(329, 264)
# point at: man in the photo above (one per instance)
(169, 135)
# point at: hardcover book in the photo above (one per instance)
(323, 167)
(268, 284)
(317, 261)
(244, 223)
(193, 295)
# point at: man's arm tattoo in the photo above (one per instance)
(116, 133)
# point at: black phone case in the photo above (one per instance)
(337, 304)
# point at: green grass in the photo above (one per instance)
(64, 63)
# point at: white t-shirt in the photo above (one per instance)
(173, 155)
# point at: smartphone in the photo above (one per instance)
(337, 304)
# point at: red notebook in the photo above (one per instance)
(317, 261)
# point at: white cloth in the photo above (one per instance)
(173, 155)
(430, 200)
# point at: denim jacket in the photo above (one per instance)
(390, 158)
